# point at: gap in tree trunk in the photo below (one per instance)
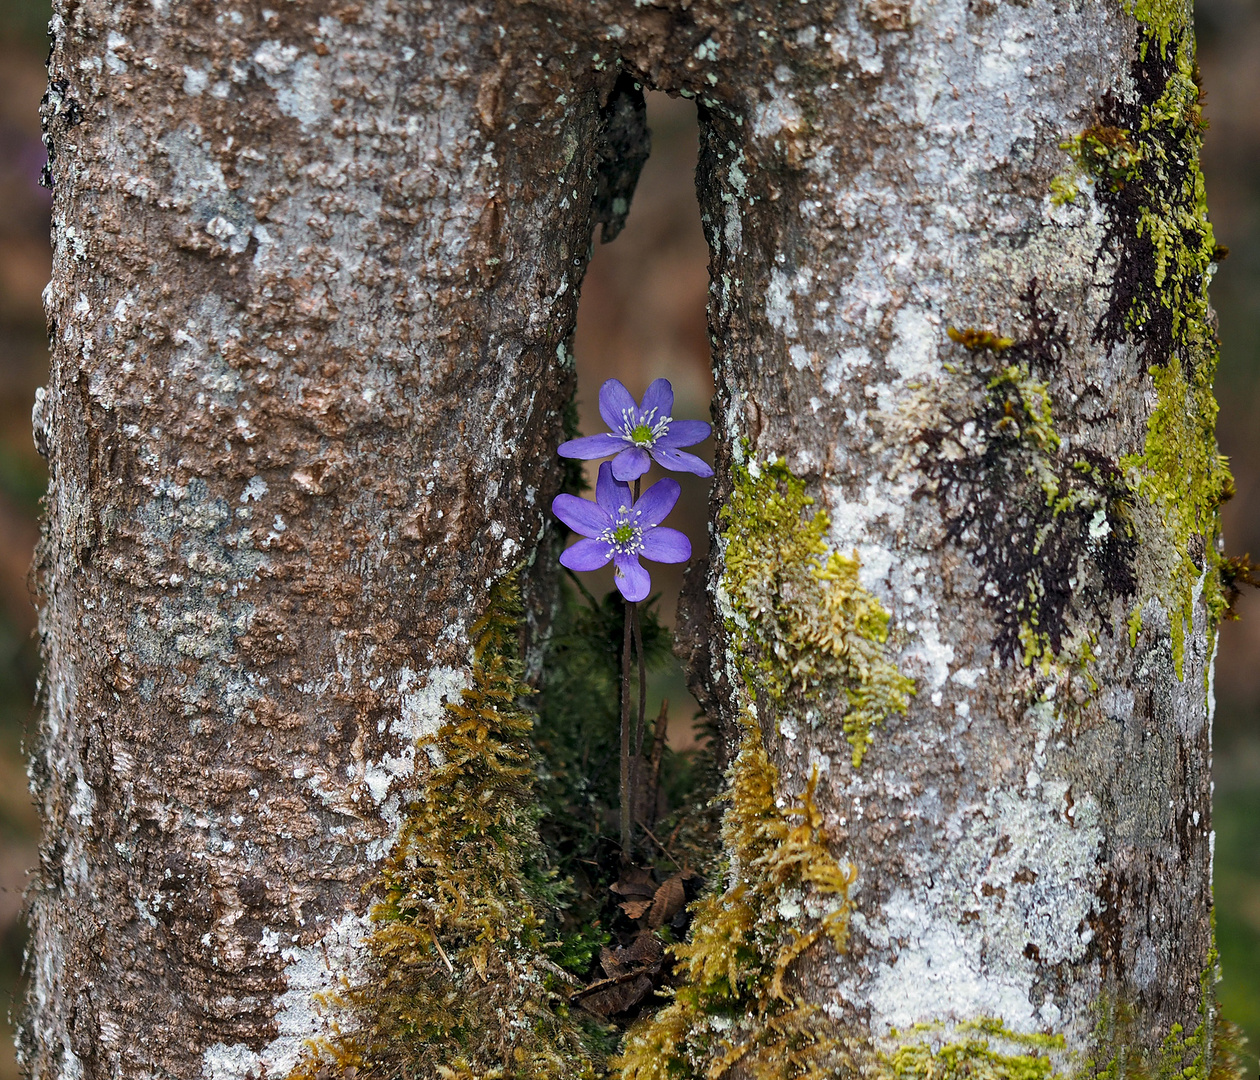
(642, 317)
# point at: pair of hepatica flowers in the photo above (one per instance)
(621, 526)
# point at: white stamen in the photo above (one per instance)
(632, 419)
(633, 544)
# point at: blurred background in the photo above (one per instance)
(642, 316)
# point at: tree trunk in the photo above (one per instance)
(315, 272)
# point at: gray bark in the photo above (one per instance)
(310, 307)
(315, 271)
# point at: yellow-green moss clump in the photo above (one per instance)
(786, 894)
(982, 1049)
(800, 618)
(457, 985)
(1144, 158)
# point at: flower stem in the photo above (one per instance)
(638, 652)
(625, 735)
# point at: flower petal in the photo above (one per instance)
(631, 463)
(593, 446)
(664, 545)
(659, 396)
(581, 515)
(685, 433)
(632, 580)
(680, 461)
(587, 555)
(611, 493)
(657, 501)
(616, 406)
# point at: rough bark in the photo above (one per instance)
(1028, 845)
(315, 270)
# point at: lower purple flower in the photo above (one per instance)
(617, 529)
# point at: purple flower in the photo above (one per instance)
(641, 433)
(616, 530)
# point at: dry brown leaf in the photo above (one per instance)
(670, 899)
(636, 908)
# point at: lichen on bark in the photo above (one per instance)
(1050, 527)
(1143, 157)
(799, 616)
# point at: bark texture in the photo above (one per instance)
(315, 271)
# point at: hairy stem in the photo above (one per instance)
(625, 733)
(641, 726)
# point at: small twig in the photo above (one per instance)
(441, 951)
(668, 854)
(556, 969)
(674, 835)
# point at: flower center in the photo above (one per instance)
(625, 535)
(643, 429)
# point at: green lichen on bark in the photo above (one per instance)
(981, 1049)
(799, 617)
(786, 894)
(457, 982)
(1144, 158)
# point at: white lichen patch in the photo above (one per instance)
(1014, 892)
(309, 972)
(421, 713)
(899, 578)
(302, 90)
(777, 114)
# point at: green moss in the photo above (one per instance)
(983, 1049)
(974, 340)
(799, 616)
(1212, 1051)
(1164, 21)
(1102, 151)
(457, 982)
(1145, 159)
(736, 1001)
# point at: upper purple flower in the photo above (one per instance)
(617, 530)
(641, 433)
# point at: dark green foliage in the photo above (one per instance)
(577, 737)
